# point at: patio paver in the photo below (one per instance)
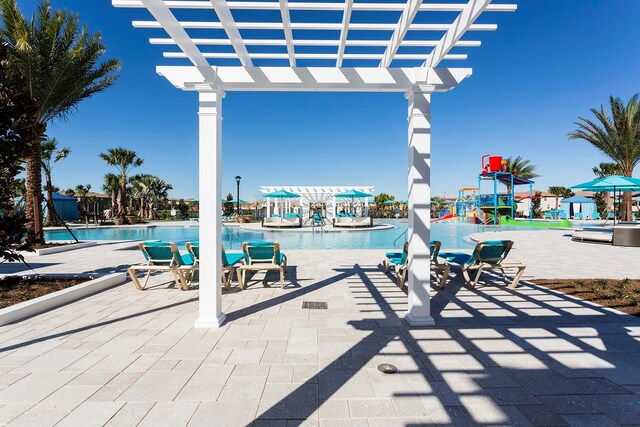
(499, 357)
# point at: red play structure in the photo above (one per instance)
(493, 164)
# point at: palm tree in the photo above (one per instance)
(124, 160)
(603, 170)
(563, 192)
(61, 64)
(47, 149)
(616, 135)
(111, 186)
(521, 168)
(150, 190)
(81, 191)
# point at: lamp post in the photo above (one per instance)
(238, 178)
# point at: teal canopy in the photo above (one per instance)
(390, 202)
(233, 201)
(611, 183)
(353, 194)
(282, 194)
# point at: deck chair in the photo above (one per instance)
(164, 256)
(399, 260)
(229, 261)
(262, 256)
(490, 255)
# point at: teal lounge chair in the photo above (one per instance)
(490, 255)
(164, 256)
(596, 215)
(229, 261)
(578, 215)
(262, 256)
(399, 261)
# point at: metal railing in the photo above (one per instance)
(404, 234)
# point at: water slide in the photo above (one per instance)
(449, 217)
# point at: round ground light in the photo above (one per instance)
(387, 368)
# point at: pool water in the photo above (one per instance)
(451, 235)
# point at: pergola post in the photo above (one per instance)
(210, 165)
(419, 181)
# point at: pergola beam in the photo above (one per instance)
(344, 31)
(274, 5)
(161, 12)
(229, 25)
(208, 25)
(320, 56)
(404, 23)
(461, 25)
(303, 42)
(319, 79)
(288, 36)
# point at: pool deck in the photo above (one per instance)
(496, 357)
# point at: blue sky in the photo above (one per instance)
(547, 63)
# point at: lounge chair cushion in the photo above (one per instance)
(492, 252)
(231, 258)
(161, 253)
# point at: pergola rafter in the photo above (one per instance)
(403, 25)
(229, 25)
(261, 64)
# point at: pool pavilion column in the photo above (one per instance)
(210, 189)
(419, 183)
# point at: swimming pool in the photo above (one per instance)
(451, 235)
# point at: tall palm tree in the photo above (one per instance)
(615, 134)
(61, 64)
(124, 160)
(606, 169)
(48, 159)
(111, 186)
(81, 191)
(521, 168)
(150, 190)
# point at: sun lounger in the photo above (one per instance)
(488, 255)
(398, 260)
(163, 256)
(352, 222)
(262, 256)
(600, 235)
(229, 261)
(282, 222)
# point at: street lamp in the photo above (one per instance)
(238, 178)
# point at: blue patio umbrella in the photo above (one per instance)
(613, 183)
(282, 194)
(353, 194)
(389, 202)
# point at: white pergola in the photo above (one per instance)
(283, 45)
(311, 194)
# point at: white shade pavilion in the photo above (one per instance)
(366, 54)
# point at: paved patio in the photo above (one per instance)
(498, 357)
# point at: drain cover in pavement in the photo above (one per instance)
(313, 305)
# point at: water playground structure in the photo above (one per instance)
(496, 206)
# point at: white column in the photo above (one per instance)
(419, 310)
(210, 168)
(268, 208)
(366, 206)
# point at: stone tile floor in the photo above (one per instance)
(497, 357)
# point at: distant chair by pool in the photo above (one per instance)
(596, 215)
(351, 221)
(578, 215)
(164, 256)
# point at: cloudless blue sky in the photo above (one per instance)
(547, 63)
